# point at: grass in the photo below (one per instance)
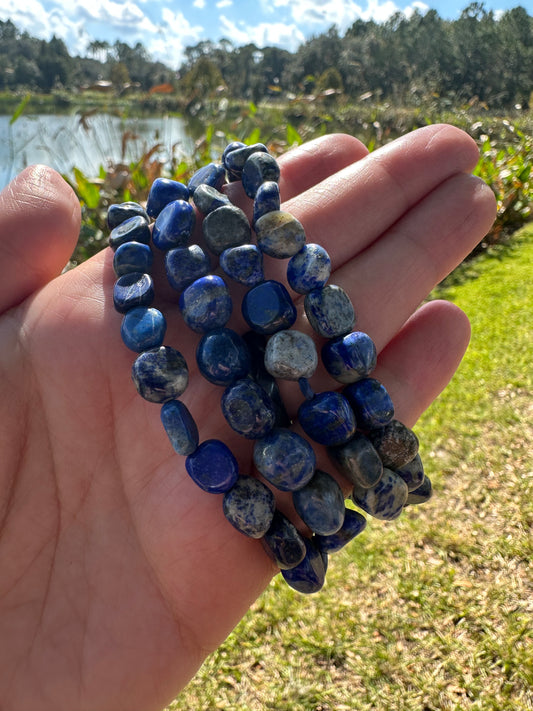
(431, 612)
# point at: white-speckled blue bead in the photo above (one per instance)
(226, 227)
(267, 199)
(320, 504)
(285, 459)
(350, 357)
(131, 290)
(160, 374)
(143, 328)
(248, 409)
(354, 523)
(174, 225)
(212, 174)
(183, 265)
(259, 168)
(249, 506)
(206, 304)
(291, 355)
(327, 418)
(235, 158)
(308, 576)
(206, 198)
(132, 257)
(243, 264)
(133, 229)
(385, 500)
(162, 192)
(329, 311)
(283, 543)
(371, 403)
(180, 427)
(279, 234)
(120, 212)
(309, 269)
(223, 356)
(358, 461)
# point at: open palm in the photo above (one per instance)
(117, 574)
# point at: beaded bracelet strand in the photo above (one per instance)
(374, 452)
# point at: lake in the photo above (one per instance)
(64, 142)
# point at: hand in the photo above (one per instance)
(117, 574)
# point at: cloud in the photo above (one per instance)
(224, 3)
(200, 4)
(264, 34)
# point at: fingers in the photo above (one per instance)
(39, 227)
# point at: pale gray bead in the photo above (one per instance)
(386, 499)
(279, 234)
(291, 355)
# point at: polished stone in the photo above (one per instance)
(180, 427)
(283, 543)
(267, 199)
(279, 234)
(235, 159)
(268, 308)
(357, 461)
(349, 358)
(174, 225)
(285, 459)
(207, 199)
(223, 357)
(395, 443)
(131, 290)
(371, 403)
(354, 523)
(327, 418)
(183, 265)
(143, 328)
(291, 355)
(243, 264)
(309, 269)
(212, 174)
(259, 168)
(421, 494)
(206, 304)
(133, 229)
(160, 374)
(308, 576)
(119, 212)
(320, 504)
(132, 257)
(412, 473)
(226, 227)
(385, 500)
(248, 409)
(329, 311)
(213, 467)
(163, 191)
(249, 506)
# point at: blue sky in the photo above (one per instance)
(166, 27)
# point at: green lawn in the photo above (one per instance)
(432, 612)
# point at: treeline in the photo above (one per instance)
(405, 59)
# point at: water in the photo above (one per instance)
(64, 142)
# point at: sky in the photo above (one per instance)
(166, 27)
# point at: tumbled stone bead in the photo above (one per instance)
(163, 191)
(308, 576)
(309, 269)
(206, 304)
(120, 212)
(320, 504)
(357, 461)
(259, 168)
(211, 174)
(291, 355)
(412, 473)
(133, 229)
(268, 308)
(354, 523)
(395, 443)
(349, 357)
(327, 418)
(131, 290)
(329, 311)
(132, 257)
(285, 459)
(279, 234)
(160, 374)
(385, 500)
(267, 199)
(249, 506)
(243, 264)
(421, 494)
(226, 227)
(183, 265)
(207, 199)
(143, 328)
(231, 147)
(235, 159)
(213, 467)
(180, 427)
(371, 403)
(174, 225)
(282, 542)
(223, 356)
(248, 409)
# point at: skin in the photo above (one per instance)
(118, 576)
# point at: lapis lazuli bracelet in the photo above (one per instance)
(375, 453)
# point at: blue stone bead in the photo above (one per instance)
(309, 269)
(282, 542)
(132, 257)
(160, 374)
(328, 418)
(162, 192)
(329, 311)
(357, 461)
(371, 403)
(259, 168)
(180, 427)
(385, 500)
(226, 227)
(133, 229)
(120, 212)
(143, 328)
(412, 473)
(279, 234)
(213, 467)
(206, 304)
(174, 225)
(285, 459)
(211, 174)
(131, 290)
(421, 494)
(183, 265)
(395, 443)
(308, 576)
(320, 504)
(223, 356)
(249, 506)
(234, 160)
(248, 409)
(208, 199)
(267, 199)
(268, 308)
(291, 355)
(231, 147)
(354, 523)
(243, 264)
(349, 357)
